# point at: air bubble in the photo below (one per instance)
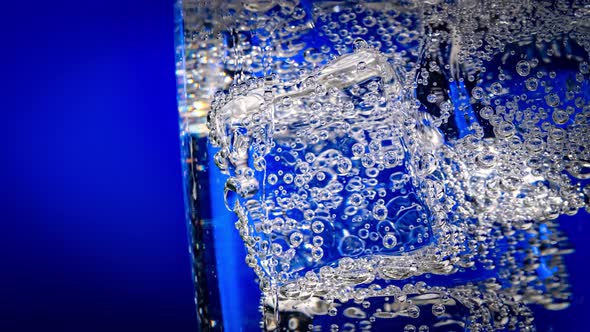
(438, 309)
(356, 199)
(552, 99)
(369, 21)
(486, 160)
(333, 312)
(487, 112)
(535, 144)
(584, 67)
(363, 233)
(317, 226)
(368, 161)
(295, 239)
(532, 83)
(523, 68)
(391, 158)
(360, 44)
(317, 253)
(379, 212)
(477, 92)
(344, 165)
(321, 176)
(496, 88)
(413, 311)
(409, 328)
(361, 66)
(560, 116)
(389, 240)
(505, 129)
(318, 241)
(358, 149)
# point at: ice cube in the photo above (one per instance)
(323, 152)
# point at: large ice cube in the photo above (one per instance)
(320, 168)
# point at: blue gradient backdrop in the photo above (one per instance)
(92, 231)
(93, 236)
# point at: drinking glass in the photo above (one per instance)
(382, 165)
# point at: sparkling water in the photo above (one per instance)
(393, 165)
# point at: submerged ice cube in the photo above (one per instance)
(320, 167)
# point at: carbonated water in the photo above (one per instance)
(398, 165)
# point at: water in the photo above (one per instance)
(402, 165)
(228, 295)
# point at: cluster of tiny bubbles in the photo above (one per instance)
(368, 165)
(390, 27)
(524, 107)
(414, 306)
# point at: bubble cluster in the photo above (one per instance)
(417, 155)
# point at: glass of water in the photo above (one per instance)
(382, 165)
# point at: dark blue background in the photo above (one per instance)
(92, 234)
